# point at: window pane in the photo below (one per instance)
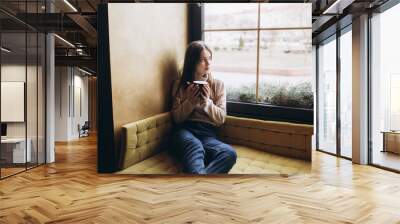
(229, 16)
(285, 68)
(385, 88)
(295, 15)
(346, 94)
(234, 62)
(327, 97)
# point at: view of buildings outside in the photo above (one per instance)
(236, 33)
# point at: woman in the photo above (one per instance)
(198, 110)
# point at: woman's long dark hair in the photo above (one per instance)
(192, 58)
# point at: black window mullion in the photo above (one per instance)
(26, 87)
(316, 96)
(338, 94)
(37, 90)
(369, 91)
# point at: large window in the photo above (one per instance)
(262, 51)
(346, 93)
(385, 89)
(335, 94)
(327, 127)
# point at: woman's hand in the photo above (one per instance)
(192, 93)
(206, 91)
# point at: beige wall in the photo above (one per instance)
(147, 46)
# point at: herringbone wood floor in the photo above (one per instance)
(71, 191)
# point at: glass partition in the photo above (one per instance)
(22, 88)
(14, 144)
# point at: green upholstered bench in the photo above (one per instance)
(261, 146)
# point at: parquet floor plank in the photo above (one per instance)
(71, 191)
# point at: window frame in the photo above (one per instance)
(324, 39)
(256, 109)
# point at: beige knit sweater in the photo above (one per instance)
(212, 111)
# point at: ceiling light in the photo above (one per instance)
(65, 41)
(337, 7)
(70, 5)
(5, 50)
(84, 71)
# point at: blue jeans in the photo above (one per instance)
(197, 146)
